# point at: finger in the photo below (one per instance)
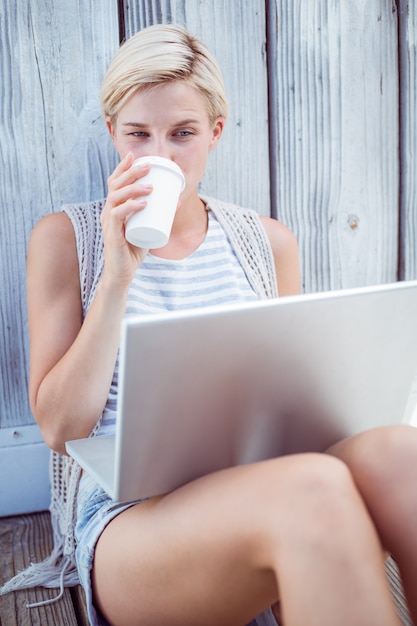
(130, 194)
(128, 208)
(122, 166)
(127, 198)
(126, 173)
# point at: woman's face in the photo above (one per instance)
(170, 121)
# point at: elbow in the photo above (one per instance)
(53, 439)
(52, 425)
(58, 425)
(52, 432)
(55, 443)
(56, 433)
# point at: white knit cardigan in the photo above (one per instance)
(251, 245)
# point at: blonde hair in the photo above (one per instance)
(160, 54)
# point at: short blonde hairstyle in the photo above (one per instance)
(160, 54)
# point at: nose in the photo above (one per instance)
(161, 148)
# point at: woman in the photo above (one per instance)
(307, 530)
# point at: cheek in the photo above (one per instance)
(196, 158)
(123, 147)
(194, 170)
(122, 153)
(121, 143)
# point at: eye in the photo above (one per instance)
(183, 134)
(138, 133)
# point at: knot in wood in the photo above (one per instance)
(353, 221)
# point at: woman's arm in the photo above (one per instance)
(71, 361)
(285, 250)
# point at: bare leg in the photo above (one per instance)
(216, 551)
(383, 463)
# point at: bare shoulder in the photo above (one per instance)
(55, 228)
(279, 235)
(53, 280)
(52, 246)
(285, 250)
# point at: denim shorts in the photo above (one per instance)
(95, 509)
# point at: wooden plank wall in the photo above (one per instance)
(408, 134)
(322, 133)
(53, 147)
(335, 144)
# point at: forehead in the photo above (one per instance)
(172, 100)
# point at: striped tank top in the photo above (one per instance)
(210, 275)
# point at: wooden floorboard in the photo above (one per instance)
(80, 607)
(25, 539)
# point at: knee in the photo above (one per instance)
(384, 458)
(306, 503)
(329, 481)
(325, 510)
(325, 491)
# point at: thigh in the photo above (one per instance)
(383, 462)
(185, 558)
(210, 552)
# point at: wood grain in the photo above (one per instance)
(53, 148)
(408, 151)
(335, 138)
(25, 539)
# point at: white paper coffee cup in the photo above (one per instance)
(151, 227)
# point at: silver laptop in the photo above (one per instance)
(212, 388)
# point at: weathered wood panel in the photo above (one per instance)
(334, 75)
(408, 153)
(238, 169)
(53, 147)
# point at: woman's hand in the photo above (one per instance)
(126, 196)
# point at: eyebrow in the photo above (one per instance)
(180, 123)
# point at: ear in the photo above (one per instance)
(217, 131)
(111, 128)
